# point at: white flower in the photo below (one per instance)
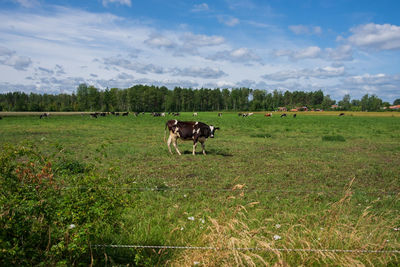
(184, 195)
(277, 237)
(196, 263)
(71, 226)
(202, 220)
(191, 218)
(182, 228)
(277, 226)
(396, 229)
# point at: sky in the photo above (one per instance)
(337, 46)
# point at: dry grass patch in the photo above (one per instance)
(330, 239)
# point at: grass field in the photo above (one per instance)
(311, 182)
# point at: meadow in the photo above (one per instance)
(291, 187)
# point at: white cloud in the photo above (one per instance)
(303, 29)
(27, 3)
(159, 41)
(243, 55)
(191, 39)
(132, 65)
(9, 58)
(319, 73)
(308, 52)
(206, 73)
(228, 20)
(341, 53)
(120, 2)
(376, 36)
(200, 7)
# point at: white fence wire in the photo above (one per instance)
(358, 251)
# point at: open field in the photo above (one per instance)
(311, 182)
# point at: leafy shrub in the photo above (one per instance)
(43, 219)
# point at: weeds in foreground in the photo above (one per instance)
(322, 242)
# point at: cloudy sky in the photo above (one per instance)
(339, 46)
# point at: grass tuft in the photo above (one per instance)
(333, 138)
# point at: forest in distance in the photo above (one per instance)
(145, 98)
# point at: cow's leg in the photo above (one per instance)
(169, 143)
(194, 147)
(203, 146)
(174, 142)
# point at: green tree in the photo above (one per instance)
(82, 95)
(327, 102)
(345, 102)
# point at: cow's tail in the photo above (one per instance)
(165, 131)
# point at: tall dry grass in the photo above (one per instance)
(333, 230)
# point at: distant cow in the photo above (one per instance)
(195, 114)
(93, 115)
(268, 115)
(125, 114)
(294, 115)
(284, 115)
(188, 131)
(44, 115)
(219, 114)
(341, 114)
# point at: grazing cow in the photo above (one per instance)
(188, 131)
(45, 115)
(176, 113)
(294, 115)
(195, 114)
(1, 118)
(93, 115)
(125, 114)
(220, 114)
(240, 114)
(163, 114)
(268, 115)
(341, 114)
(103, 114)
(284, 115)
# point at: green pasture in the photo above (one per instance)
(315, 181)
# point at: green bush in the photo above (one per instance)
(48, 218)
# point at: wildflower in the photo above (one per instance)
(277, 226)
(184, 195)
(396, 229)
(196, 263)
(202, 220)
(277, 237)
(71, 226)
(182, 228)
(191, 218)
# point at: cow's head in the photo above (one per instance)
(212, 130)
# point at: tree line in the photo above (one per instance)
(145, 98)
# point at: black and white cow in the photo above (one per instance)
(189, 131)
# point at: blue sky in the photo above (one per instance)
(339, 46)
